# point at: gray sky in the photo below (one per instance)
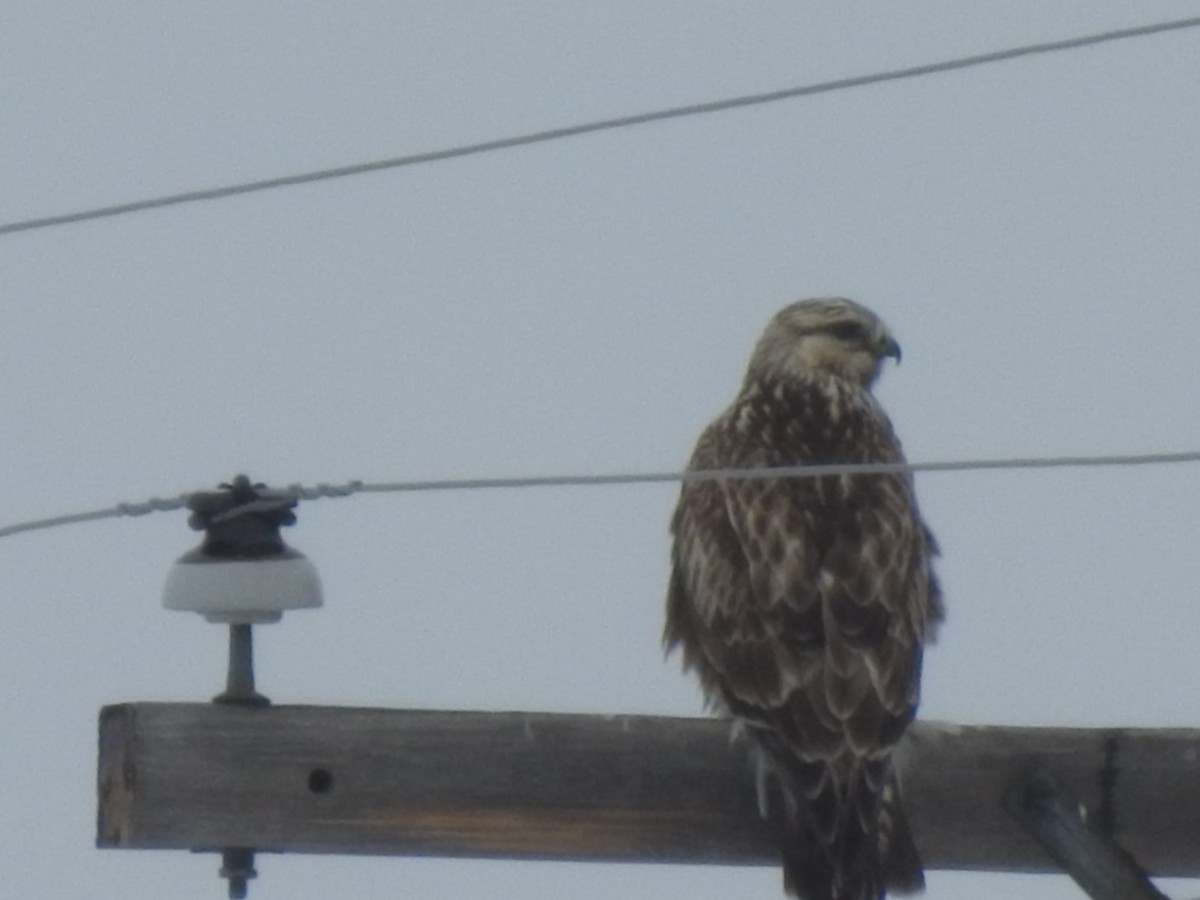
(1028, 229)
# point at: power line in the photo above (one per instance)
(601, 125)
(967, 465)
(465, 484)
(111, 512)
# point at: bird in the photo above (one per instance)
(804, 605)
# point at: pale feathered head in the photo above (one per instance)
(829, 335)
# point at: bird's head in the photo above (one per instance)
(828, 335)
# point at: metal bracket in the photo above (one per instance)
(1060, 824)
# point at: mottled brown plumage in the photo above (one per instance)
(803, 604)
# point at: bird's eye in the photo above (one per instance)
(847, 331)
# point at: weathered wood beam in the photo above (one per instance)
(617, 788)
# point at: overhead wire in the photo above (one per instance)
(676, 112)
(350, 488)
(354, 487)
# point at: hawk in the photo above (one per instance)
(803, 604)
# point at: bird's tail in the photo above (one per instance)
(901, 862)
(845, 835)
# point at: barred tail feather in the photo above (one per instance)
(902, 863)
(844, 835)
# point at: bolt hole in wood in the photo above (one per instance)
(320, 781)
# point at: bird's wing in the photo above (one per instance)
(799, 602)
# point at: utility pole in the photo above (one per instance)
(308, 779)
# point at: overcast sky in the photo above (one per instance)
(1028, 229)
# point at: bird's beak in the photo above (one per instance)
(889, 347)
